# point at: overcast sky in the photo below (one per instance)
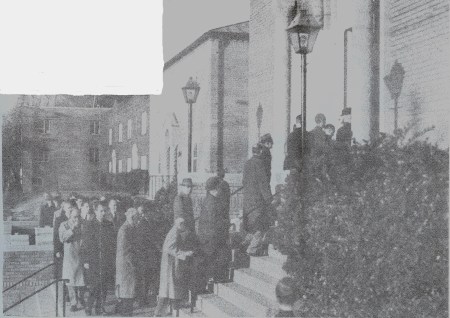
(186, 20)
(183, 22)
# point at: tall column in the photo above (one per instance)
(282, 88)
(365, 70)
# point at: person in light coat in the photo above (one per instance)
(126, 263)
(70, 235)
(169, 286)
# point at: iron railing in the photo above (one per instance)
(55, 281)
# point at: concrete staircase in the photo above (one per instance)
(251, 294)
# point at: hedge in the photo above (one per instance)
(370, 237)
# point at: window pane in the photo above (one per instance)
(144, 123)
(129, 129)
(144, 162)
(128, 164)
(120, 132)
(110, 136)
(120, 166)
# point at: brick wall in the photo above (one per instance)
(19, 264)
(128, 108)
(67, 141)
(416, 33)
(260, 85)
(235, 103)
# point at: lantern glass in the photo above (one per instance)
(190, 91)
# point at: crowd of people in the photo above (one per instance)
(316, 152)
(144, 255)
(140, 254)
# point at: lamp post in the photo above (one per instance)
(303, 32)
(394, 82)
(190, 92)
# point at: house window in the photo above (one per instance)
(43, 126)
(114, 162)
(42, 156)
(120, 166)
(143, 162)
(128, 164)
(135, 157)
(110, 136)
(110, 167)
(144, 123)
(94, 127)
(93, 155)
(120, 132)
(36, 182)
(129, 129)
(194, 158)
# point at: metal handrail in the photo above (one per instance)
(41, 289)
(28, 277)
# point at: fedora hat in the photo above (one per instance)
(187, 182)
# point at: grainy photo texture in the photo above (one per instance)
(295, 165)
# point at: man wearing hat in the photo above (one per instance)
(212, 230)
(46, 211)
(344, 134)
(266, 142)
(182, 204)
(257, 198)
(294, 146)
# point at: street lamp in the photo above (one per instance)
(394, 82)
(190, 92)
(303, 32)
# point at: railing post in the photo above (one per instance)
(57, 298)
(64, 298)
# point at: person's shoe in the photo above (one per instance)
(73, 308)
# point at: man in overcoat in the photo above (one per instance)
(126, 263)
(70, 234)
(46, 211)
(182, 205)
(257, 196)
(148, 254)
(318, 147)
(266, 143)
(60, 216)
(294, 146)
(224, 195)
(170, 288)
(98, 250)
(212, 230)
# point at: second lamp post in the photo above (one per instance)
(190, 92)
(303, 31)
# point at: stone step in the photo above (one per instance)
(256, 281)
(212, 305)
(268, 265)
(251, 301)
(186, 312)
(276, 254)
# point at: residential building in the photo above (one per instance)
(61, 148)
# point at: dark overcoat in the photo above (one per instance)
(126, 262)
(147, 247)
(183, 208)
(293, 150)
(211, 225)
(257, 195)
(46, 212)
(98, 250)
(266, 157)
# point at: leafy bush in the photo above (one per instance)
(371, 237)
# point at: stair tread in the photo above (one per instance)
(226, 307)
(269, 259)
(251, 294)
(262, 276)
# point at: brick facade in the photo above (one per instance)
(19, 264)
(417, 36)
(57, 148)
(128, 110)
